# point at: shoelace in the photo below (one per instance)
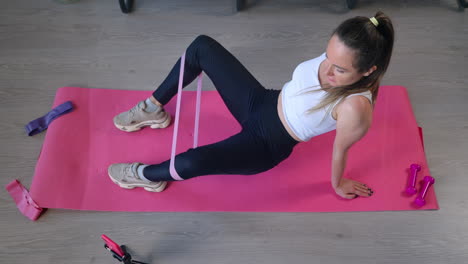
(134, 109)
(127, 171)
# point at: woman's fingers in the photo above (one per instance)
(360, 187)
(363, 193)
(353, 189)
(363, 188)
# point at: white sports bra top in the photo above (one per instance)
(297, 100)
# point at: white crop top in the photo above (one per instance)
(296, 101)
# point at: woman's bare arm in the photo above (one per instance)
(354, 117)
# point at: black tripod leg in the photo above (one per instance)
(240, 5)
(350, 4)
(128, 258)
(462, 4)
(126, 6)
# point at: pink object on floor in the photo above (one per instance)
(71, 171)
(23, 200)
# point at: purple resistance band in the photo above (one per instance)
(42, 123)
(172, 169)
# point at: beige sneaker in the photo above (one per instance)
(125, 175)
(137, 118)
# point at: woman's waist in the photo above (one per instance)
(283, 119)
(265, 122)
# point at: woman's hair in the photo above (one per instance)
(373, 45)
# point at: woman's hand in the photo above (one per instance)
(354, 117)
(350, 189)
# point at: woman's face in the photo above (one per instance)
(338, 67)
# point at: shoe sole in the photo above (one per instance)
(151, 123)
(160, 188)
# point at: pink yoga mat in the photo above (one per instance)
(71, 171)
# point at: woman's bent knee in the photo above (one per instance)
(203, 41)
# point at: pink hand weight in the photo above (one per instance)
(420, 200)
(411, 187)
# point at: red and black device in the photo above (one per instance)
(119, 252)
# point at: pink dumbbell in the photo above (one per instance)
(420, 200)
(411, 189)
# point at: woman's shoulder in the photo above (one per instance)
(366, 94)
(316, 60)
(357, 102)
(357, 105)
(308, 65)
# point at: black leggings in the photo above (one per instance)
(263, 141)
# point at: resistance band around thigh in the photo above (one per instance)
(172, 169)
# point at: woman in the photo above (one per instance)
(333, 91)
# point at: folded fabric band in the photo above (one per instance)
(23, 200)
(42, 123)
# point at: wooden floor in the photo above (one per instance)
(46, 44)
